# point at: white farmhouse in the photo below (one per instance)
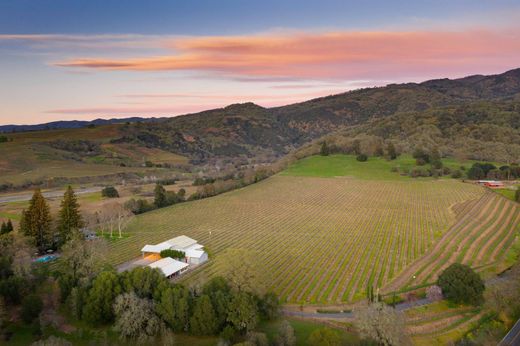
(194, 252)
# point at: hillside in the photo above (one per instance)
(487, 108)
(476, 117)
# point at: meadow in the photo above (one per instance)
(324, 236)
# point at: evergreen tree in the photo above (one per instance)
(324, 151)
(203, 321)
(69, 218)
(9, 226)
(101, 297)
(3, 228)
(160, 199)
(391, 152)
(36, 221)
(243, 312)
(517, 195)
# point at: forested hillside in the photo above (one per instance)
(474, 117)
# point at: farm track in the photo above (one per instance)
(321, 240)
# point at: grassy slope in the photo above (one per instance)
(28, 158)
(376, 168)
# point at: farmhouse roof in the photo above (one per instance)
(194, 253)
(155, 248)
(181, 242)
(168, 266)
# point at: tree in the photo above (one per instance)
(32, 305)
(269, 306)
(324, 337)
(381, 323)
(286, 335)
(36, 221)
(461, 284)
(203, 320)
(173, 307)
(361, 157)
(435, 159)
(109, 192)
(3, 228)
(160, 199)
(324, 151)
(69, 217)
(145, 282)
(80, 262)
(517, 195)
(98, 307)
(243, 271)
(391, 152)
(242, 312)
(135, 318)
(257, 339)
(220, 294)
(115, 216)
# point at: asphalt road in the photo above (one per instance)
(513, 337)
(46, 194)
(399, 307)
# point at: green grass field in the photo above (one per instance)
(323, 240)
(376, 168)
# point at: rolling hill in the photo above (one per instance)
(476, 117)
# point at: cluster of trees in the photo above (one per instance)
(162, 198)
(490, 171)
(36, 221)
(362, 148)
(432, 157)
(110, 192)
(142, 303)
(6, 227)
(4, 139)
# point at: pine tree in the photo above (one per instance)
(160, 196)
(3, 228)
(36, 221)
(324, 151)
(69, 218)
(9, 226)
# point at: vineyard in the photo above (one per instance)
(484, 230)
(324, 240)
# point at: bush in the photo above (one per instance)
(461, 284)
(173, 254)
(32, 305)
(109, 192)
(457, 174)
(324, 337)
(362, 158)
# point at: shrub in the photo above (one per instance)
(457, 174)
(324, 337)
(32, 305)
(110, 192)
(461, 284)
(362, 158)
(173, 254)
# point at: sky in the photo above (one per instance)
(70, 59)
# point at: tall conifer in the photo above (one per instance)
(69, 217)
(36, 221)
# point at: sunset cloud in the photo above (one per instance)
(330, 55)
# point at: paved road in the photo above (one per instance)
(47, 194)
(513, 337)
(399, 307)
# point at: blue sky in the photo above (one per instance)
(84, 59)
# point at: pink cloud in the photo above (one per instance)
(332, 55)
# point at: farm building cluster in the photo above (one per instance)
(491, 183)
(193, 251)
